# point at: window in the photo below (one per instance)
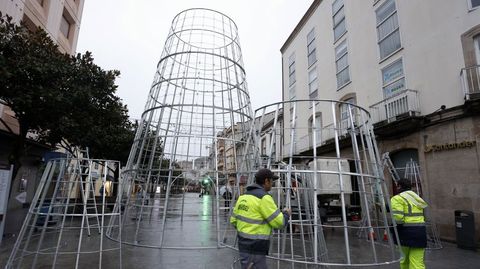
(345, 121)
(393, 78)
(338, 12)
(313, 83)
(474, 4)
(291, 69)
(312, 57)
(292, 92)
(27, 22)
(291, 115)
(274, 145)
(476, 44)
(387, 29)
(65, 26)
(264, 146)
(341, 60)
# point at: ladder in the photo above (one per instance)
(87, 188)
(412, 173)
(387, 162)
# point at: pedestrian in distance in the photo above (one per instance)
(226, 192)
(408, 212)
(254, 216)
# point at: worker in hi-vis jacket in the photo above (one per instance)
(408, 212)
(254, 216)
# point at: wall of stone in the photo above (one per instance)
(450, 166)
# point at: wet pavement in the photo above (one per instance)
(191, 242)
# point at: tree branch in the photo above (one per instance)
(6, 125)
(65, 145)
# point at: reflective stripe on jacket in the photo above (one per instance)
(254, 216)
(407, 208)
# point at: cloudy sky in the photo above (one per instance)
(129, 35)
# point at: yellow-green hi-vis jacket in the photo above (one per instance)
(408, 211)
(407, 208)
(254, 216)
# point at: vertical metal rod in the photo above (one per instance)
(289, 170)
(165, 206)
(65, 213)
(119, 206)
(47, 216)
(360, 171)
(315, 184)
(342, 191)
(43, 182)
(104, 179)
(84, 216)
(380, 188)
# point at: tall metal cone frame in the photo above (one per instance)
(195, 128)
(329, 161)
(69, 216)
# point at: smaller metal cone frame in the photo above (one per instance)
(325, 154)
(68, 217)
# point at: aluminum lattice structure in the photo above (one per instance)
(331, 177)
(194, 129)
(69, 216)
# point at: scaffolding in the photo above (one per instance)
(194, 130)
(331, 177)
(68, 216)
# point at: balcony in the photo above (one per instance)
(470, 77)
(302, 144)
(399, 106)
(398, 115)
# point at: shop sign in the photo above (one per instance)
(449, 146)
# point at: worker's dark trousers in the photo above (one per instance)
(253, 261)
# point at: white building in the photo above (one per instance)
(415, 66)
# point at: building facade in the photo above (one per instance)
(415, 66)
(59, 18)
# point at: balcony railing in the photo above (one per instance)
(304, 143)
(471, 82)
(404, 103)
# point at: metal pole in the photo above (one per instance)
(342, 192)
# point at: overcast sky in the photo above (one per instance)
(129, 35)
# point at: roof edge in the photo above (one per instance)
(301, 23)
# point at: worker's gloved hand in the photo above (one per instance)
(287, 211)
